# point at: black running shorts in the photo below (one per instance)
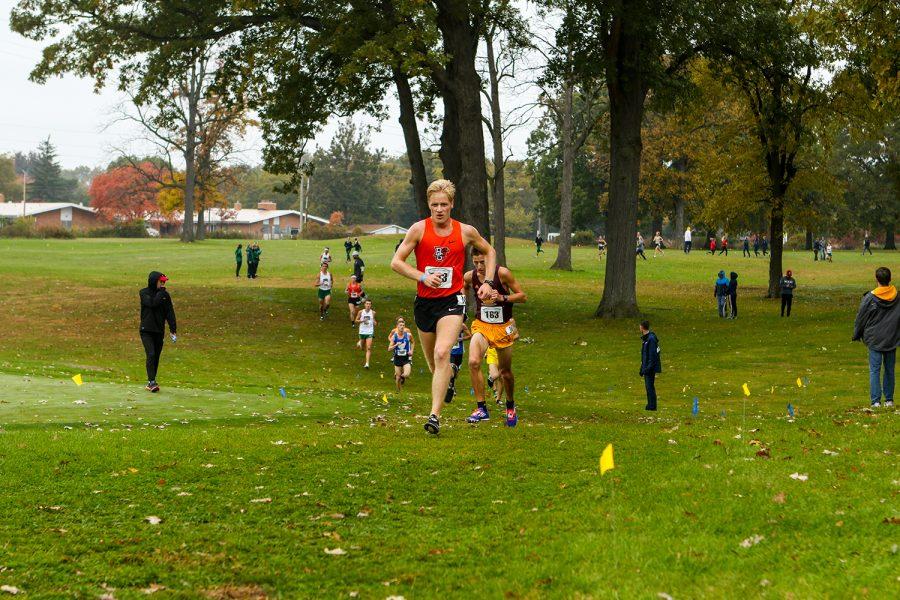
(428, 311)
(456, 359)
(401, 361)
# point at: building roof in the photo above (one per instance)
(244, 216)
(14, 209)
(374, 228)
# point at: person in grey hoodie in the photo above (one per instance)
(721, 293)
(878, 326)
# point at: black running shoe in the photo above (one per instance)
(154, 387)
(432, 425)
(451, 391)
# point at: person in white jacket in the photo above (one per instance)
(687, 240)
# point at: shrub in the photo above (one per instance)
(20, 228)
(583, 238)
(317, 231)
(56, 232)
(225, 234)
(133, 229)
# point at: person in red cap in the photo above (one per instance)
(156, 310)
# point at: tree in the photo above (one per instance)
(772, 60)
(10, 188)
(48, 183)
(170, 195)
(124, 193)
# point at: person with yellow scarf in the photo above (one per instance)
(878, 326)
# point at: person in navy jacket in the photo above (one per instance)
(650, 363)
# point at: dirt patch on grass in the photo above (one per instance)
(236, 592)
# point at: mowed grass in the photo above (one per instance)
(252, 488)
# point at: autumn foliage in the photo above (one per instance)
(125, 193)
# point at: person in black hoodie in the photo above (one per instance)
(650, 363)
(878, 326)
(156, 310)
(787, 284)
(732, 294)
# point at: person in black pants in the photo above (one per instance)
(732, 294)
(156, 310)
(765, 246)
(867, 245)
(787, 284)
(238, 259)
(650, 363)
(359, 267)
(746, 246)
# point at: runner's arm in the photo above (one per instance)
(509, 280)
(406, 247)
(466, 333)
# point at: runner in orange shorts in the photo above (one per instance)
(493, 327)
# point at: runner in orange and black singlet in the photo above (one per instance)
(439, 243)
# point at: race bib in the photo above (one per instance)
(354, 295)
(445, 273)
(401, 350)
(491, 314)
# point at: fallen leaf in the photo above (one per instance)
(891, 521)
(779, 498)
(763, 453)
(10, 589)
(799, 476)
(829, 452)
(752, 541)
(153, 588)
(153, 520)
(335, 551)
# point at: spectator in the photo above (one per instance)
(732, 294)
(867, 245)
(650, 363)
(640, 246)
(156, 310)
(239, 259)
(765, 246)
(828, 250)
(348, 247)
(721, 293)
(815, 250)
(787, 284)
(712, 245)
(756, 245)
(253, 254)
(878, 326)
(687, 240)
(359, 266)
(538, 241)
(356, 245)
(249, 251)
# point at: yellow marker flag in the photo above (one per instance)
(746, 390)
(382, 375)
(78, 380)
(384, 398)
(799, 383)
(606, 459)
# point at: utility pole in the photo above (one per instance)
(24, 185)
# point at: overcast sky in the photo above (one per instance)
(79, 121)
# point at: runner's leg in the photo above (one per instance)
(504, 355)
(444, 338)
(426, 340)
(478, 346)
(368, 350)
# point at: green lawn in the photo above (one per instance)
(254, 490)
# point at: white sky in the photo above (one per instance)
(78, 120)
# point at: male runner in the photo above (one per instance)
(493, 327)
(366, 320)
(440, 246)
(402, 344)
(323, 282)
(355, 296)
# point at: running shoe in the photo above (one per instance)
(154, 387)
(511, 417)
(876, 404)
(889, 404)
(451, 391)
(480, 414)
(432, 425)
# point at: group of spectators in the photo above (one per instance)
(253, 253)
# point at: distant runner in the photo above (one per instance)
(493, 327)
(324, 283)
(355, 295)
(456, 357)
(366, 320)
(402, 344)
(440, 246)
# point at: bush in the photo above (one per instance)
(134, 229)
(20, 228)
(317, 231)
(583, 238)
(225, 234)
(56, 232)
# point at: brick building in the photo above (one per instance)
(52, 214)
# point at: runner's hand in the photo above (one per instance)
(432, 281)
(485, 291)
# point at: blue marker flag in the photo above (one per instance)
(526, 389)
(696, 409)
(790, 410)
(471, 391)
(282, 392)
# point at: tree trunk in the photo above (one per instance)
(627, 94)
(889, 243)
(498, 194)
(776, 245)
(418, 179)
(809, 241)
(678, 235)
(200, 233)
(460, 41)
(190, 177)
(564, 249)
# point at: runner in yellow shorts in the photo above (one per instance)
(494, 381)
(494, 329)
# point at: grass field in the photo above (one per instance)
(256, 493)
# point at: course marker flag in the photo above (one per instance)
(282, 392)
(606, 459)
(696, 408)
(746, 390)
(78, 380)
(790, 410)
(799, 382)
(384, 398)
